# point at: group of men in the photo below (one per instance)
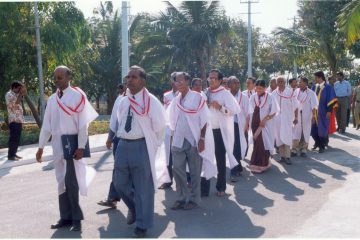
(203, 130)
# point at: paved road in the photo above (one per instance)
(315, 197)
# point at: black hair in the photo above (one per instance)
(320, 74)
(142, 72)
(341, 74)
(220, 75)
(304, 79)
(120, 86)
(252, 79)
(195, 80)
(173, 76)
(260, 83)
(15, 84)
(291, 80)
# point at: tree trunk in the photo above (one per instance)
(33, 110)
(98, 104)
(201, 66)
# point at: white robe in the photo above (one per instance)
(226, 121)
(153, 126)
(57, 123)
(113, 118)
(284, 120)
(249, 93)
(167, 98)
(270, 107)
(307, 102)
(197, 120)
(243, 102)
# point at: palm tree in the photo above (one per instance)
(349, 22)
(191, 32)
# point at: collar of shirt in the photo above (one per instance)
(65, 90)
(137, 96)
(320, 84)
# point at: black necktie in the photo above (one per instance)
(128, 120)
(61, 93)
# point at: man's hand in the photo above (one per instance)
(201, 145)
(328, 115)
(39, 154)
(108, 143)
(215, 105)
(23, 91)
(79, 153)
(295, 121)
(262, 123)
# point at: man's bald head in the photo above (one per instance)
(62, 77)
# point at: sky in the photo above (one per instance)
(268, 14)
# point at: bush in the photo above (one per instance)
(30, 132)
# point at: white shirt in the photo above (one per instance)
(136, 131)
(182, 129)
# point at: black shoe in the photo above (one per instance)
(76, 226)
(61, 224)
(165, 186)
(303, 154)
(131, 217)
(204, 194)
(288, 161)
(139, 232)
(18, 157)
(321, 150)
(281, 160)
(315, 147)
(111, 203)
(358, 127)
(13, 159)
(293, 154)
(178, 205)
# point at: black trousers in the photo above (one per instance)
(220, 155)
(170, 168)
(113, 194)
(319, 141)
(14, 138)
(69, 200)
(237, 150)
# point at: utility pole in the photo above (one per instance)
(124, 40)
(249, 39)
(39, 60)
(295, 65)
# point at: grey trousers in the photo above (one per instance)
(341, 112)
(182, 156)
(69, 200)
(133, 180)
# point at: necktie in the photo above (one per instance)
(128, 120)
(61, 93)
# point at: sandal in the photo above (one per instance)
(190, 205)
(178, 205)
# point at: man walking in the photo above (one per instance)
(343, 94)
(66, 119)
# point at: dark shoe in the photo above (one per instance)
(18, 157)
(139, 232)
(190, 205)
(321, 150)
(303, 155)
(288, 161)
(165, 186)
(293, 154)
(61, 224)
(204, 194)
(13, 159)
(111, 203)
(178, 205)
(315, 147)
(76, 226)
(281, 160)
(358, 127)
(131, 217)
